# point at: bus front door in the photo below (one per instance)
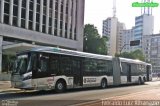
(77, 73)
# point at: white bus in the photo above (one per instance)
(48, 68)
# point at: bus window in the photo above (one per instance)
(65, 66)
(54, 63)
(43, 63)
(32, 65)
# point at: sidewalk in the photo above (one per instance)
(5, 86)
(155, 79)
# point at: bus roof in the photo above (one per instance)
(133, 61)
(81, 54)
(69, 52)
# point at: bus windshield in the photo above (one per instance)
(21, 64)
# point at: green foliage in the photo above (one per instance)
(7, 63)
(137, 54)
(93, 43)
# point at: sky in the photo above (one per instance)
(98, 10)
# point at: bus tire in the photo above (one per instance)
(139, 81)
(60, 86)
(103, 83)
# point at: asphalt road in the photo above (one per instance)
(71, 97)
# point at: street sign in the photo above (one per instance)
(135, 43)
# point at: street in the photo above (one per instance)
(74, 97)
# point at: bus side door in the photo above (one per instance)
(128, 72)
(77, 72)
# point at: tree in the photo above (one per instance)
(7, 63)
(137, 54)
(93, 43)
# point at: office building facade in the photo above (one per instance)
(113, 29)
(155, 52)
(56, 23)
(144, 25)
(120, 28)
(151, 47)
(128, 35)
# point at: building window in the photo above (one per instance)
(30, 25)
(50, 4)
(55, 23)
(60, 33)
(15, 11)
(55, 32)
(44, 19)
(23, 13)
(31, 5)
(38, 1)
(24, 3)
(67, 7)
(56, 5)
(66, 26)
(65, 33)
(14, 21)
(61, 16)
(50, 30)
(43, 28)
(50, 12)
(6, 18)
(23, 23)
(37, 26)
(44, 10)
(37, 17)
(61, 6)
(31, 15)
(50, 21)
(56, 14)
(6, 8)
(44, 3)
(15, 2)
(70, 36)
(61, 24)
(75, 37)
(38, 7)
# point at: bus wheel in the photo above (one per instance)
(103, 83)
(139, 81)
(60, 86)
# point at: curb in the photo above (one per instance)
(9, 90)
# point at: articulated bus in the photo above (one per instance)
(47, 68)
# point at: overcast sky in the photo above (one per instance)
(98, 10)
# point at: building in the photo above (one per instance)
(56, 23)
(151, 47)
(155, 52)
(128, 35)
(120, 28)
(114, 31)
(146, 44)
(110, 30)
(144, 25)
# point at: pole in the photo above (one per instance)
(123, 47)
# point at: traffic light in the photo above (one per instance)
(135, 43)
